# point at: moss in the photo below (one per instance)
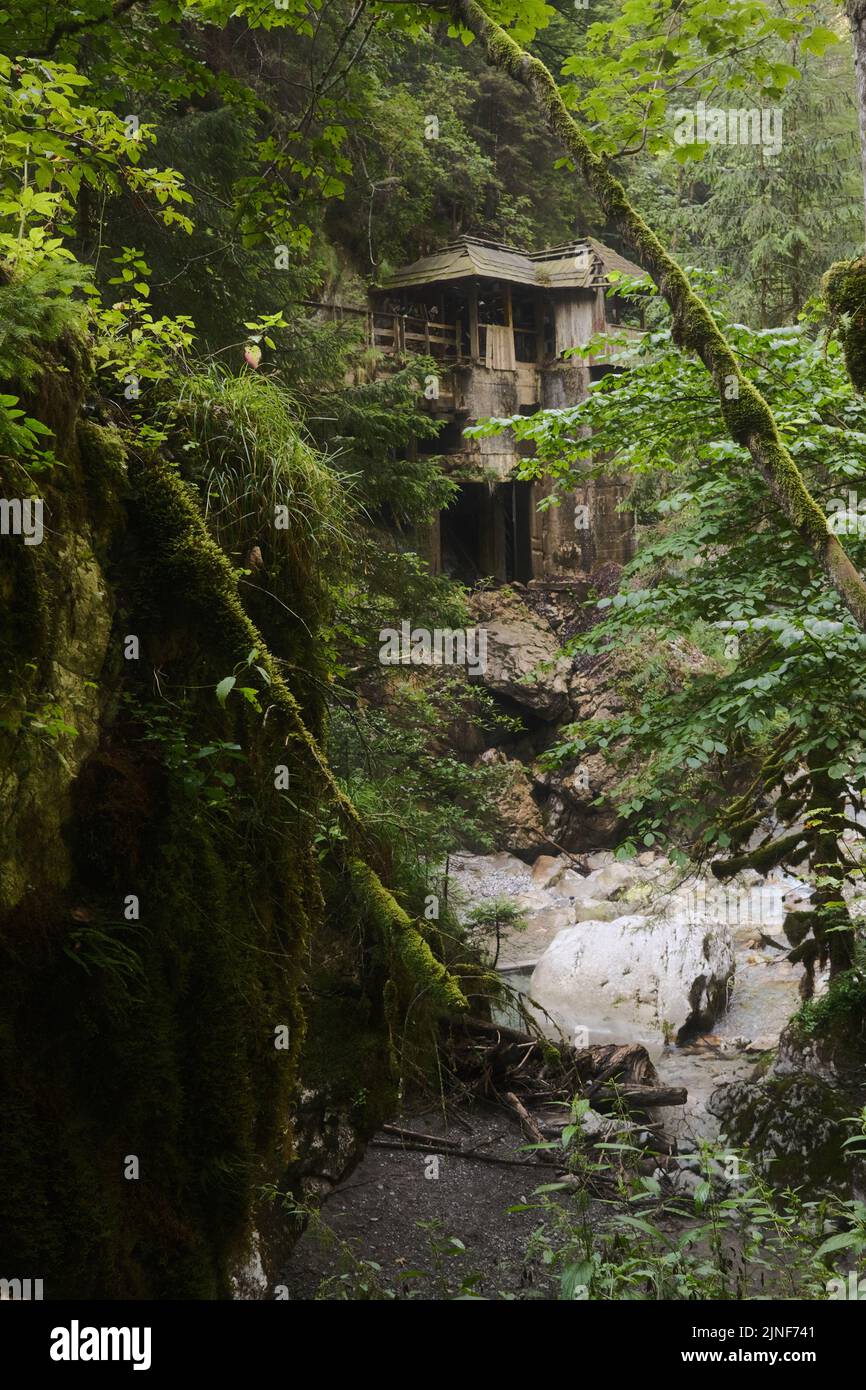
(103, 464)
(802, 1132)
(797, 926)
(188, 566)
(374, 996)
(844, 287)
(348, 1064)
(838, 1013)
(788, 849)
(157, 1037)
(102, 450)
(764, 1064)
(427, 975)
(173, 1061)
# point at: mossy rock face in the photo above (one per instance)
(173, 989)
(54, 641)
(844, 286)
(831, 1029)
(794, 1125)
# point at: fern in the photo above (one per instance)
(36, 310)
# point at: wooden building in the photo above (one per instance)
(497, 321)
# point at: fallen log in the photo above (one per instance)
(499, 1062)
(648, 1097)
(499, 1032)
(631, 1061)
(419, 1137)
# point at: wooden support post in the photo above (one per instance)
(474, 335)
(500, 559)
(539, 329)
(509, 317)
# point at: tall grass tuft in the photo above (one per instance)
(253, 459)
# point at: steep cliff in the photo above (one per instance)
(206, 995)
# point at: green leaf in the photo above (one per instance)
(846, 1240)
(225, 688)
(819, 41)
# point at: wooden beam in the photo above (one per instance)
(474, 336)
(539, 328)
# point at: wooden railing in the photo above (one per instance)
(400, 334)
(404, 333)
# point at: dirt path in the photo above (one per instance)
(396, 1212)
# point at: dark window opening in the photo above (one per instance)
(598, 370)
(457, 312)
(491, 306)
(462, 535)
(449, 440)
(525, 329)
(549, 332)
(624, 311)
(517, 511)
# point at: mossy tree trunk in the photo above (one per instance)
(746, 413)
(856, 12)
(833, 930)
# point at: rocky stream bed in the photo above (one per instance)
(633, 952)
(683, 982)
(626, 953)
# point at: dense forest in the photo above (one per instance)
(433, 650)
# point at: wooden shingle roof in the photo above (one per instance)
(580, 264)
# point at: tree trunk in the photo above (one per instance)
(833, 929)
(856, 11)
(746, 413)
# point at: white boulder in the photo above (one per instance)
(639, 977)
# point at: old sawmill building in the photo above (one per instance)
(498, 320)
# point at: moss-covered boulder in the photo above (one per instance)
(794, 1128)
(795, 1113)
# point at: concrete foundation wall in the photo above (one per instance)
(585, 530)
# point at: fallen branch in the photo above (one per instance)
(530, 1128)
(648, 1097)
(471, 1154)
(499, 1031)
(413, 1135)
(632, 1059)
